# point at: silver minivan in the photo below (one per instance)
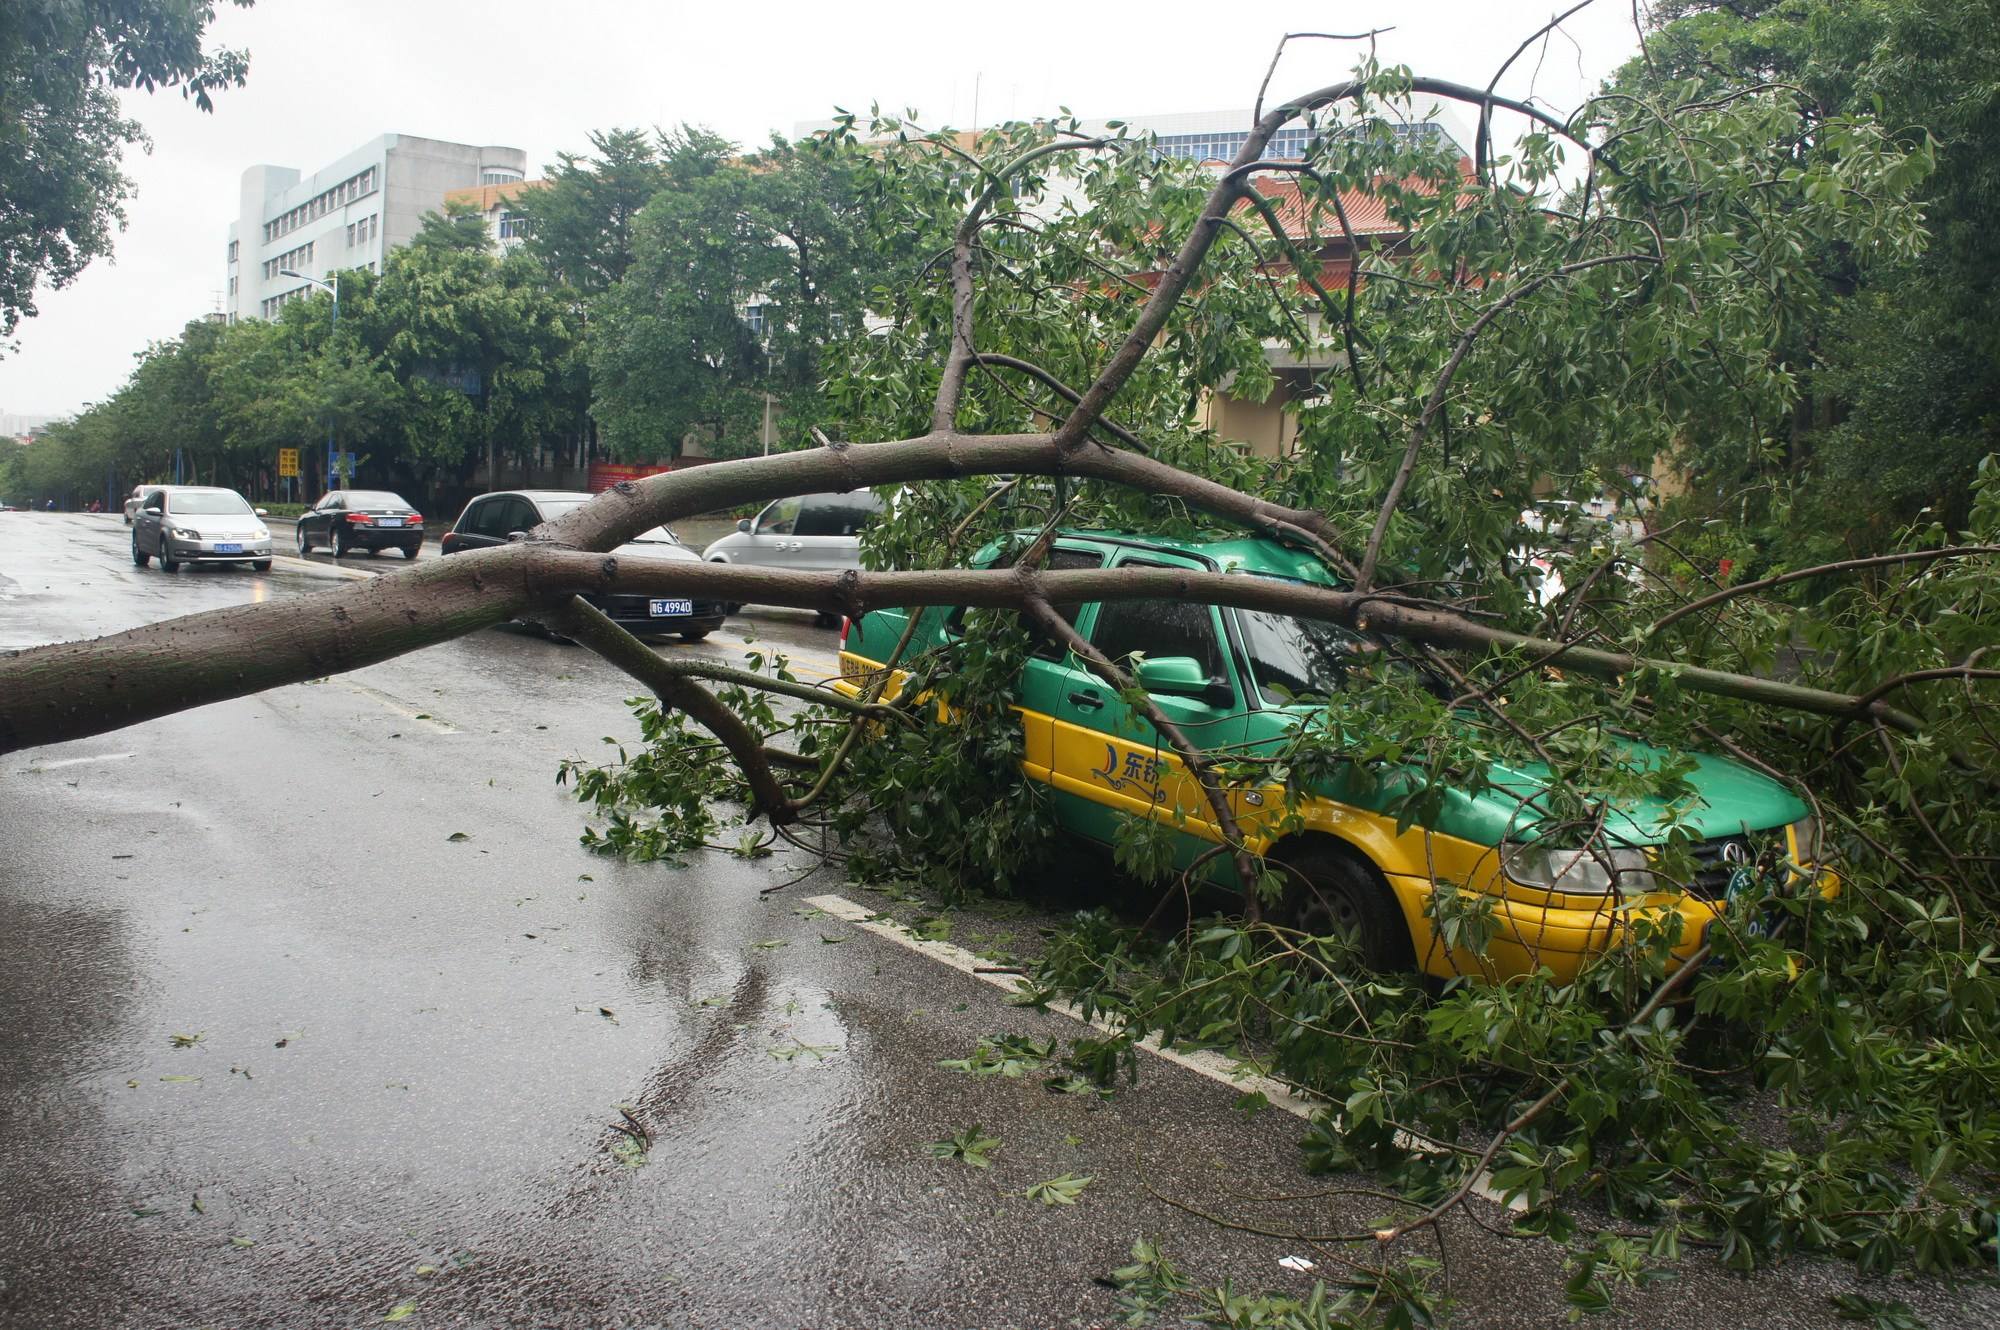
(806, 532)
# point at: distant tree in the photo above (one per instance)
(741, 274)
(580, 222)
(61, 134)
(1896, 366)
(483, 348)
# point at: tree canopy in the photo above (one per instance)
(62, 134)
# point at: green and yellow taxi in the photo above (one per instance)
(1241, 682)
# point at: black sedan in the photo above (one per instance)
(372, 520)
(494, 519)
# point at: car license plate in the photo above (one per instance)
(662, 608)
(221, 548)
(390, 521)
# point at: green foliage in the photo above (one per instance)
(665, 801)
(944, 809)
(1397, 1297)
(61, 133)
(1009, 1056)
(775, 237)
(1892, 364)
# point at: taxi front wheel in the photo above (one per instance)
(1329, 892)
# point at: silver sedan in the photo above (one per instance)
(180, 524)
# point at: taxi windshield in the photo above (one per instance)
(1295, 658)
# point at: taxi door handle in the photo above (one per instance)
(1087, 700)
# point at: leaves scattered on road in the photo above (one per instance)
(1011, 1056)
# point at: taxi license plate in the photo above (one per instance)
(228, 549)
(663, 608)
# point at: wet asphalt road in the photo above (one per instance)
(406, 1052)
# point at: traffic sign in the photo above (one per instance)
(288, 461)
(343, 464)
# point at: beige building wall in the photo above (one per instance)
(1265, 429)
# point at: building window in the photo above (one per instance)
(348, 190)
(232, 288)
(301, 257)
(512, 226)
(232, 251)
(498, 176)
(753, 318)
(1287, 144)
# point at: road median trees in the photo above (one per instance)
(1544, 316)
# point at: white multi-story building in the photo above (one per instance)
(348, 214)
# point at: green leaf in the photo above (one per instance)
(1062, 1190)
(972, 1146)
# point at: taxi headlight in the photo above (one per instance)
(1805, 840)
(1592, 870)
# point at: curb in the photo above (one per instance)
(319, 569)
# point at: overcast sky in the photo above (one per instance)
(327, 75)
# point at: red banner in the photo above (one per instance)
(603, 475)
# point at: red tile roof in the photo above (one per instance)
(1367, 212)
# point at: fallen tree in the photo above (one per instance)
(1536, 320)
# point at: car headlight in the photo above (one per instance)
(263, 533)
(186, 533)
(1594, 870)
(1805, 840)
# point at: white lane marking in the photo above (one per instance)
(73, 762)
(397, 705)
(1202, 1062)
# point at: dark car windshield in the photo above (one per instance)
(378, 499)
(1292, 657)
(218, 504)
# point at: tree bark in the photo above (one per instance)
(70, 690)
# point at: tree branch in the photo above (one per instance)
(1174, 281)
(1432, 405)
(951, 384)
(588, 626)
(1822, 570)
(144, 672)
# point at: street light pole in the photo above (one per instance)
(332, 477)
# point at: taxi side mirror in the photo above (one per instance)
(1181, 676)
